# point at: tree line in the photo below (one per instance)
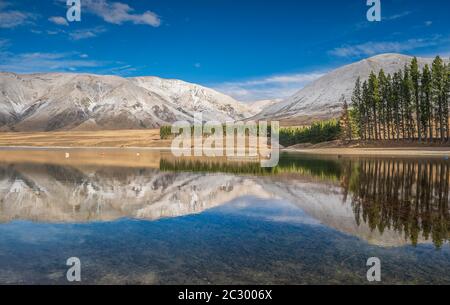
(412, 104)
(318, 132)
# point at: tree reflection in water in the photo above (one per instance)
(409, 196)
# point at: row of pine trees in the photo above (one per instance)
(412, 104)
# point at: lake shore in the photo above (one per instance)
(150, 140)
(380, 148)
(400, 152)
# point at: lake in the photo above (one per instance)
(143, 217)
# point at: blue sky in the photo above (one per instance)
(250, 49)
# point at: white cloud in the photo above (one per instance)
(445, 53)
(53, 32)
(372, 48)
(4, 43)
(428, 23)
(123, 70)
(118, 13)
(12, 19)
(44, 62)
(272, 87)
(397, 16)
(58, 21)
(86, 33)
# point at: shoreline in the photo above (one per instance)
(382, 151)
(55, 148)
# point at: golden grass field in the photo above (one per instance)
(112, 138)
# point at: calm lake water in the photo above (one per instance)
(145, 218)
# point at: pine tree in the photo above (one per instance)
(397, 104)
(407, 108)
(357, 108)
(446, 100)
(366, 111)
(438, 96)
(389, 107)
(344, 122)
(382, 105)
(415, 79)
(426, 110)
(374, 100)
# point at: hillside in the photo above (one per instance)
(57, 101)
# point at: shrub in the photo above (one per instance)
(165, 132)
(317, 133)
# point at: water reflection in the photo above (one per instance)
(410, 196)
(53, 193)
(386, 202)
(151, 219)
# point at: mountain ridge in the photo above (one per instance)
(65, 101)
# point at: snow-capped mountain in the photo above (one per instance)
(320, 99)
(57, 101)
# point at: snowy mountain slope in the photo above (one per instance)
(320, 99)
(194, 98)
(259, 106)
(57, 101)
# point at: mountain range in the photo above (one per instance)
(58, 101)
(64, 101)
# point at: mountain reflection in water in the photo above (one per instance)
(386, 202)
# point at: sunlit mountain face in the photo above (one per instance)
(219, 222)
